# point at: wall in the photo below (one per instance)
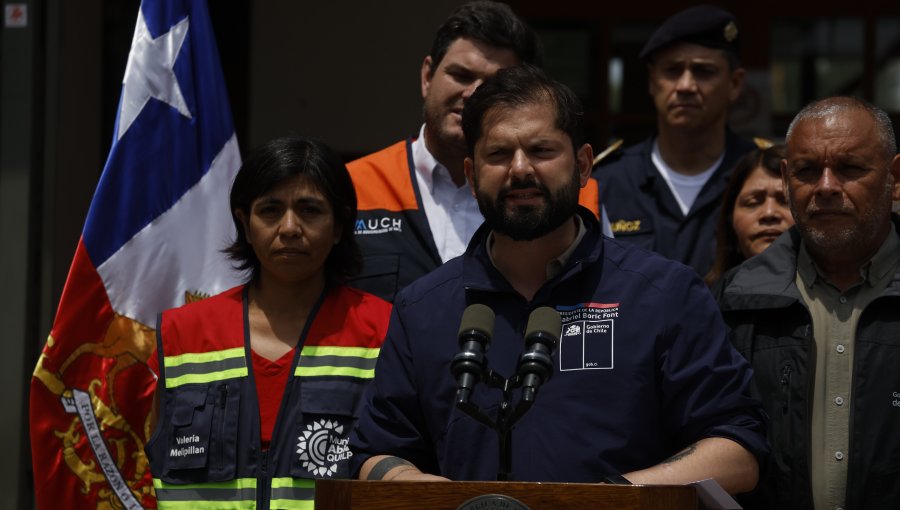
(344, 72)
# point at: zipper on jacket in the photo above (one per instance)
(786, 372)
(223, 407)
(786, 387)
(263, 482)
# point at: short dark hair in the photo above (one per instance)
(518, 86)
(728, 250)
(279, 160)
(489, 22)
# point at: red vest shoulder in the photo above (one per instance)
(350, 318)
(210, 324)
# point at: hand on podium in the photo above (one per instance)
(731, 465)
(390, 468)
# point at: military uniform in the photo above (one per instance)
(640, 202)
(642, 209)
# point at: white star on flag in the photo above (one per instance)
(149, 72)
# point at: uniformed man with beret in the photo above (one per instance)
(663, 193)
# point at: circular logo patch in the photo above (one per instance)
(321, 446)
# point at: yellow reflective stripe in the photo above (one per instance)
(293, 494)
(290, 504)
(344, 371)
(333, 350)
(205, 378)
(237, 483)
(207, 505)
(205, 367)
(330, 360)
(204, 357)
(237, 494)
(302, 483)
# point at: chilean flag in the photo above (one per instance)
(151, 241)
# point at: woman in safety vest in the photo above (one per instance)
(258, 385)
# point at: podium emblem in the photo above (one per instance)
(493, 502)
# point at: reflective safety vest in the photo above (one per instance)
(205, 452)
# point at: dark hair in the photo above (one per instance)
(728, 250)
(489, 22)
(276, 161)
(518, 86)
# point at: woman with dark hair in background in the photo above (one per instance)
(258, 386)
(754, 210)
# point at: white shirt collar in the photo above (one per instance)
(426, 164)
(452, 212)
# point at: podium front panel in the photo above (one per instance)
(381, 495)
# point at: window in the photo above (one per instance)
(887, 64)
(817, 58)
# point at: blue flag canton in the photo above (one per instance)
(163, 153)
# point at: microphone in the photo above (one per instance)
(475, 331)
(541, 337)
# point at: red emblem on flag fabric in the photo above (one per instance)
(152, 240)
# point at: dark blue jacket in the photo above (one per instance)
(642, 209)
(643, 369)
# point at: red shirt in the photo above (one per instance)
(271, 380)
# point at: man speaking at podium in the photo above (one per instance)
(645, 387)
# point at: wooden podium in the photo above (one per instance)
(378, 495)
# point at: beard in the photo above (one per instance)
(848, 238)
(529, 222)
(446, 135)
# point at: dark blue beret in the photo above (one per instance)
(706, 25)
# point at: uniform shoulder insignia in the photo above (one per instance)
(613, 147)
(762, 143)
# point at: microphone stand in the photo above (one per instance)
(534, 368)
(507, 416)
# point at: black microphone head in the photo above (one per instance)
(544, 322)
(477, 319)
